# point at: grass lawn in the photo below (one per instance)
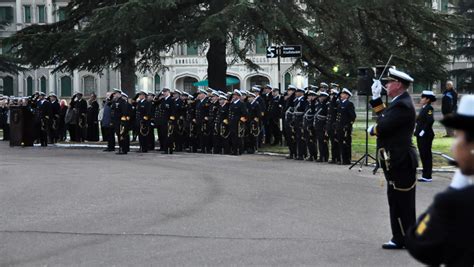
(440, 144)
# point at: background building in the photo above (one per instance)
(186, 64)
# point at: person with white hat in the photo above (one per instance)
(166, 121)
(333, 104)
(308, 126)
(444, 234)
(320, 127)
(287, 118)
(237, 119)
(424, 134)
(143, 117)
(202, 121)
(396, 155)
(254, 123)
(121, 121)
(299, 109)
(345, 117)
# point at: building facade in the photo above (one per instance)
(185, 64)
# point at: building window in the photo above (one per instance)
(5, 47)
(287, 80)
(27, 14)
(66, 86)
(41, 14)
(192, 49)
(89, 85)
(6, 15)
(7, 88)
(61, 12)
(29, 86)
(261, 44)
(188, 84)
(157, 83)
(43, 84)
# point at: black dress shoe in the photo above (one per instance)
(289, 157)
(299, 158)
(309, 159)
(121, 153)
(108, 150)
(392, 245)
(164, 152)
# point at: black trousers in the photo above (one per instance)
(290, 137)
(6, 132)
(311, 142)
(322, 145)
(344, 136)
(109, 136)
(274, 130)
(236, 142)
(425, 144)
(166, 141)
(300, 142)
(151, 138)
(143, 139)
(123, 135)
(335, 156)
(402, 210)
(401, 193)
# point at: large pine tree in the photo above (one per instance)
(345, 33)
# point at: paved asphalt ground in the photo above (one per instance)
(63, 206)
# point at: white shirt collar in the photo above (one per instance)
(236, 101)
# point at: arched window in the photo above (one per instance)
(192, 49)
(66, 86)
(89, 85)
(29, 86)
(8, 85)
(287, 80)
(188, 84)
(43, 84)
(259, 80)
(157, 83)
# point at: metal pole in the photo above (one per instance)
(279, 70)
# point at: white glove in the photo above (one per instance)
(421, 133)
(376, 89)
(371, 127)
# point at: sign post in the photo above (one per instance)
(283, 51)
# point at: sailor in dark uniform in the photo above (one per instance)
(151, 136)
(180, 108)
(166, 121)
(43, 118)
(202, 120)
(81, 108)
(424, 134)
(300, 107)
(55, 118)
(121, 121)
(267, 98)
(143, 115)
(288, 126)
(263, 107)
(254, 123)
(221, 126)
(237, 119)
(333, 104)
(320, 127)
(444, 234)
(345, 117)
(308, 124)
(273, 114)
(395, 151)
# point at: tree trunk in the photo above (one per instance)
(217, 64)
(128, 67)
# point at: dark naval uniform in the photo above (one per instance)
(300, 107)
(333, 104)
(444, 234)
(273, 115)
(398, 160)
(237, 113)
(143, 115)
(320, 122)
(254, 125)
(221, 128)
(121, 123)
(344, 119)
(202, 123)
(309, 130)
(424, 138)
(166, 124)
(43, 120)
(55, 121)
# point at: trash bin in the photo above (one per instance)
(21, 126)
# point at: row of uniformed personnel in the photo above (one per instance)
(319, 120)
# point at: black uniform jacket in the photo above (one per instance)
(445, 233)
(424, 121)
